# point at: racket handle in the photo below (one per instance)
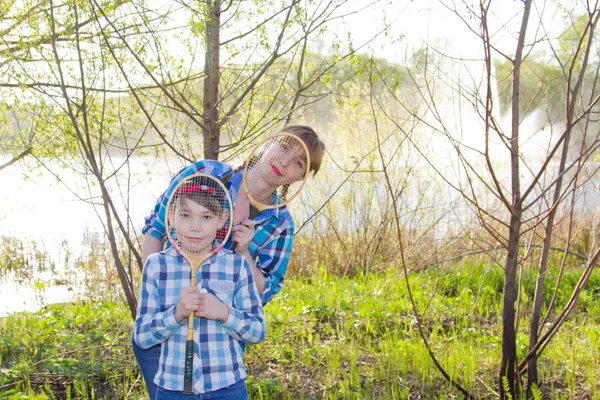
(233, 246)
(253, 212)
(189, 366)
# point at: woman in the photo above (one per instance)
(272, 229)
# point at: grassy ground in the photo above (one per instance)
(328, 338)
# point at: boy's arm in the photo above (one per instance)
(152, 326)
(246, 321)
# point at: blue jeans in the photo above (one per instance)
(237, 391)
(148, 360)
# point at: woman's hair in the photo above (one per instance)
(315, 146)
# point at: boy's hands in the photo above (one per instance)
(242, 235)
(202, 304)
(212, 308)
(189, 300)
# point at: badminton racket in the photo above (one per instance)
(275, 173)
(198, 225)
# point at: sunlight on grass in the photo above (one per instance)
(328, 338)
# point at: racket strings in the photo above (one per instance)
(280, 166)
(198, 216)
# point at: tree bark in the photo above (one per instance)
(509, 339)
(210, 116)
(572, 99)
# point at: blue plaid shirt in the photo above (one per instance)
(218, 346)
(273, 228)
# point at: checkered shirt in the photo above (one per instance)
(218, 346)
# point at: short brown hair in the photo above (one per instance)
(202, 190)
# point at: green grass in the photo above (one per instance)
(328, 338)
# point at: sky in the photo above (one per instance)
(434, 22)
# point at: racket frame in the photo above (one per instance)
(258, 205)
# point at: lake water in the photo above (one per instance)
(39, 209)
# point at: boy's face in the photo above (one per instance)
(196, 226)
(285, 162)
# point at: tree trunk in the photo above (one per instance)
(572, 100)
(509, 339)
(210, 116)
(509, 342)
(532, 375)
(124, 277)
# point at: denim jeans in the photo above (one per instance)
(237, 391)
(148, 360)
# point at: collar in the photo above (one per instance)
(180, 258)
(234, 185)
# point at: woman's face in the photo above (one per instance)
(196, 226)
(283, 162)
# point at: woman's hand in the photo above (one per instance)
(242, 235)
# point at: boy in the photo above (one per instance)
(226, 302)
(270, 246)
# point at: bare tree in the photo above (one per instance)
(512, 187)
(575, 76)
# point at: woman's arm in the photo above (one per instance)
(274, 240)
(151, 245)
(259, 278)
(243, 233)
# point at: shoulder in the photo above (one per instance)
(286, 215)
(211, 167)
(277, 226)
(278, 219)
(166, 256)
(230, 259)
(229, 256)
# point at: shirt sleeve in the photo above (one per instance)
(154, 223)
(246, 320)
(273, 255)
(152, 326)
